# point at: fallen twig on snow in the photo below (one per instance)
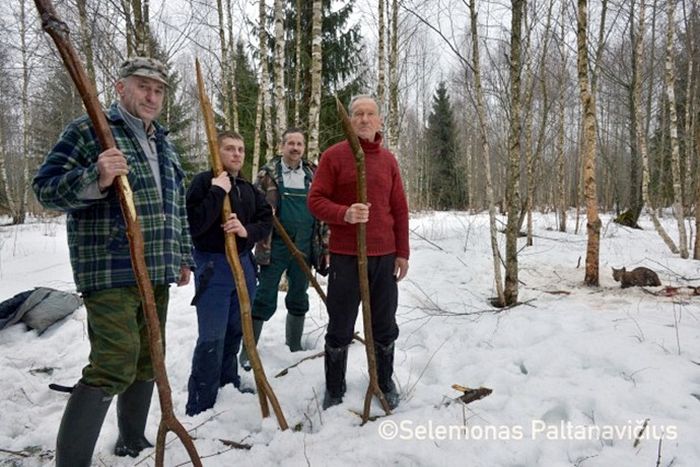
(638, 438)
(471, 394)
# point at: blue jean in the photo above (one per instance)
(219, 319)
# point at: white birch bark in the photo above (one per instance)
(589, 150)
(316, 67)
(280, 95)
(673, 133)
(486, 151)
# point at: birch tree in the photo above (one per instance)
(393, 117)
(264, 88)
(316, 68)
(513, 169)
(588, 148)
(673, 132)
(86, 40)
(486, 151)
(19, 206)
(380, 55)
(280, 92)
(297, 65)
(563, 79)
(641, 134)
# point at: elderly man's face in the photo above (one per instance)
(141, 97)
(365, 119)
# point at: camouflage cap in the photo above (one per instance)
(146, 67)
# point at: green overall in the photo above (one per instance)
(297, 221)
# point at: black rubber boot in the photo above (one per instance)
(336, 363)
(385, 371)
(257, 329)
(294, 330)
(132, 412)
(80, 426)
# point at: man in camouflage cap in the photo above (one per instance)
(145, 67)
(77, 177)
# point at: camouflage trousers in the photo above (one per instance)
(119, 348)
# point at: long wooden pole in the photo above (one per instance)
(373, 387)
(264, 389)
(58, 31)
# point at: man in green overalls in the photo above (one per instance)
(285, 181)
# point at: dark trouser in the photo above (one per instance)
(297, 298)
(218, 316)
(119, 345)
(344, 299)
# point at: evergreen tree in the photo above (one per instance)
(343, 69)
(447, 187)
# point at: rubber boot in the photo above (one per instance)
(257, 329)
(132, 412)
(336, 363)
(294, 330)
(385, 371)
(80, 426)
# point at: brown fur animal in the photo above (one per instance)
(638, 277)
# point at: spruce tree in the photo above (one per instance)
(447, 182)
(343, 68)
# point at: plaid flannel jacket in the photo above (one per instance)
(99, 248)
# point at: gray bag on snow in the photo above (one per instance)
(43, 307)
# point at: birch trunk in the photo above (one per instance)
(20, 206)
(258, 137)
(641, 134)
(380, 56)
(561, 167)
(673, 131)
(394, 80)
(486, 151)
(280, 97)
(86, 40)
(316, 67)
(513, 168)
(297, 68)
(265, 82)
(589, 150)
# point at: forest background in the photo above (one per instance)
(513, 106)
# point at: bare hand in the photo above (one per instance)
(400, 268)
(233, 225)
(110, 165)
(357, 213)
(184, 276)
(222, 181)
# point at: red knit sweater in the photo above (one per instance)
(334, 190)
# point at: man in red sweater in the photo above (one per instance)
(333, 199)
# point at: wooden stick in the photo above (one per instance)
(373, 388)
(58, 31)
(264, 389)
(298, 256)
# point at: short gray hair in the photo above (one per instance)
(358, 97)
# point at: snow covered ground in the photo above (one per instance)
(575, 371)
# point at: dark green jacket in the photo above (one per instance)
(268, 181)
